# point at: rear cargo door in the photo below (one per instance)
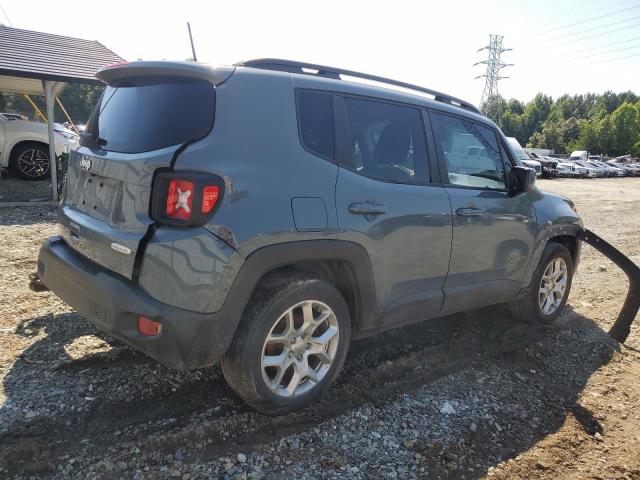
(137, 128)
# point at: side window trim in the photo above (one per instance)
(433, 165)
(342, 133)
(442, 163)
(297, 92)
(342, 136)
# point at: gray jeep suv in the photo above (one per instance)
(266, 214)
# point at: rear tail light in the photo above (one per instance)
(179, 199)
(186, 199)
(209, 198)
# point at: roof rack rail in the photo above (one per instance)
(333, 72)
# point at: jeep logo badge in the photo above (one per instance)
(85, 163)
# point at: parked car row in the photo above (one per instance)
(582, 165)
(579, 164)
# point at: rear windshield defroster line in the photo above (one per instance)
(142, 114)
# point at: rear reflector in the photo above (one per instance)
(179, 199)
(209, 197)
(148, 327)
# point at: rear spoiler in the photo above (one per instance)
(117, 71)
(622, 326)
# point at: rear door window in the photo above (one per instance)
(387, 141)
(143, 114)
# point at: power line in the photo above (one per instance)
(615, 59)
(603, 53)
(592, 36)
(592, 28)
(583, 4)
(589, 12)
(603, 46)
(584, 21)
(6, 16)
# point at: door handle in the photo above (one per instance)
(470, 212)
(367, 209)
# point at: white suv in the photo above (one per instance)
(24, 145)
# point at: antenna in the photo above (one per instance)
(193, 49)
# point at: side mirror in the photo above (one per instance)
(522, 179)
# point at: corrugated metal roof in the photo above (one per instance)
(45, 56)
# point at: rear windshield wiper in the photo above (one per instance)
(90, 140)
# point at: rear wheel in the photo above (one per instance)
(30, 161)
(290, 346)
(549, 288)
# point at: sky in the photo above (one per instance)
(559, 46)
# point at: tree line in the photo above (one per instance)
(606, 124)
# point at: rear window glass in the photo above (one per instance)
(315, 121)
(142, 114)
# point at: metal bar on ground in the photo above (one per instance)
(622, 326)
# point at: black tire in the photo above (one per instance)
(527, 309)
(241, 365)
(36, 171)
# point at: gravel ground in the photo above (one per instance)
(14, 189)
(466, 396)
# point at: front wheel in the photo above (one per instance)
(549, 288)
(290, 346)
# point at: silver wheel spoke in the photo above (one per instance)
(326, 336)
(307, 315)
(323, 357)
(275, 360)
(277, 380)
(311, 374)
(294, 382)
(286, 333)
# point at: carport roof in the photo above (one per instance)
(28, 57)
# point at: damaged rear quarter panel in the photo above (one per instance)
(188, 268)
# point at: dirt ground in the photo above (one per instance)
(468, 396)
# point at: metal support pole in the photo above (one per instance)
(50, 98)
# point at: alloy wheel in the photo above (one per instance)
(300, 348)
(33, 163)
(553, 286)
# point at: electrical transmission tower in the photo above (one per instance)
(494, 66)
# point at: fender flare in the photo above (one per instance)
(547, 233)
(266, 259)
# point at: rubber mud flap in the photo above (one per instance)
(622, 327)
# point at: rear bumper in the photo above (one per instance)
(113, 303)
